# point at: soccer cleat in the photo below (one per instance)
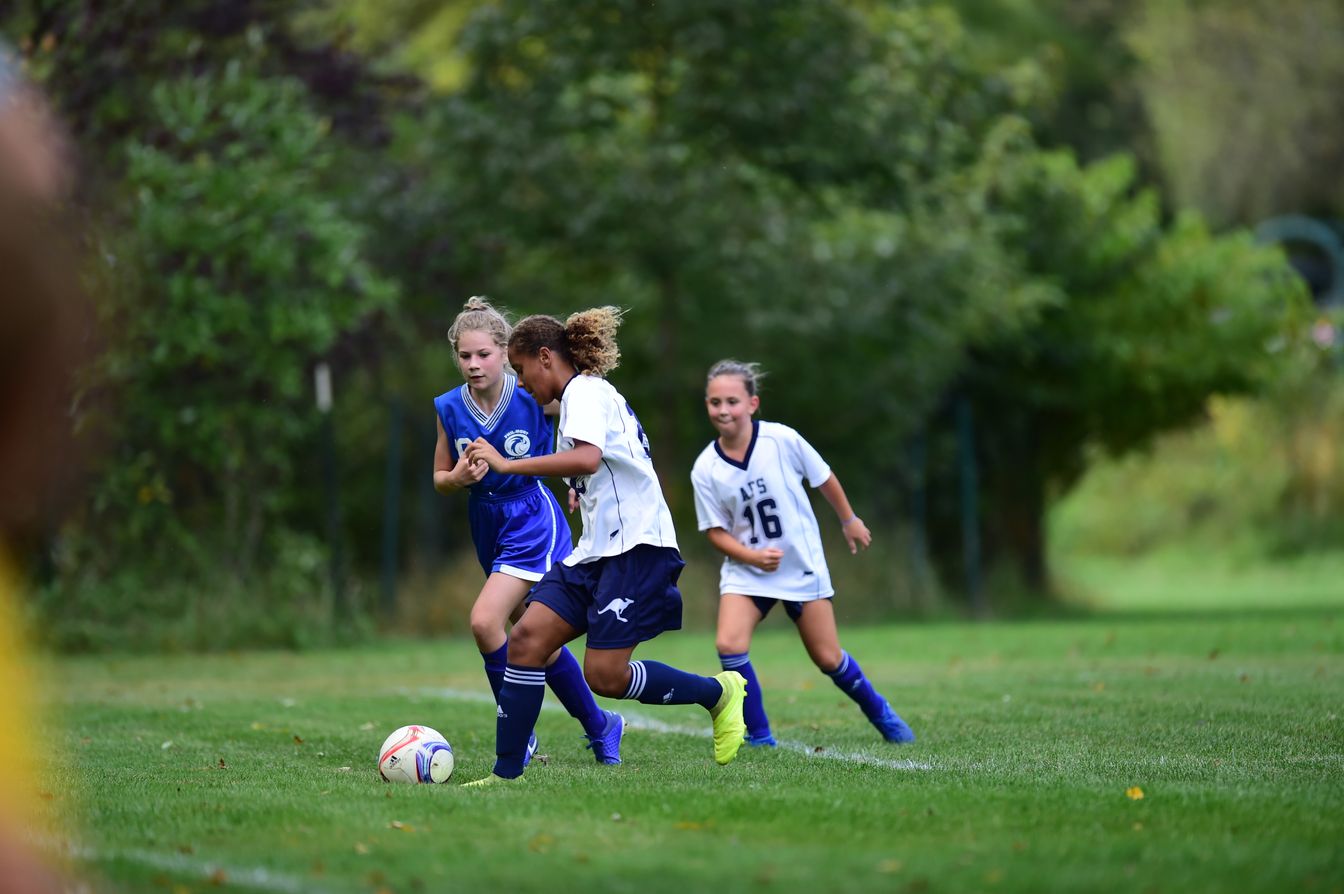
(531, 749)
(892, 727)
(492, 779)
(607, 746)
(765, 740)
(729, 727)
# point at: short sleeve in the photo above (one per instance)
(585, 416)
(709, 511)
(809, 461)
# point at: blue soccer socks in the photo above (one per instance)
(494, 667)
(519, 705)
(654, 683)
(565, 677)
(850, 678)
(753, 709)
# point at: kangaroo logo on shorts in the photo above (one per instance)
(517, 443)
(616, 606)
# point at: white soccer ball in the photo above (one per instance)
(415, 754)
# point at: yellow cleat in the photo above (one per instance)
(729, 727)
(492, 779)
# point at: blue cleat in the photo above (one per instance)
(765, 740)
(892, 727)
(607, 745)
(531, 749)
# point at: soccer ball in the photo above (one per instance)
(415, 754)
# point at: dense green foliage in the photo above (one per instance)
(1036, 738)
(882, 203)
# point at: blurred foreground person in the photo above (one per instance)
(39, 305)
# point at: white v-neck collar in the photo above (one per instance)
(488, 423)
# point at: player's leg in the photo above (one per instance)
(536, 636)
(532, 536)
(498, 600)
(816, 626)
(635, 599)
(738, 617)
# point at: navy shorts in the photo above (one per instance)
(792, 607)
(619, 600)
(521, 535)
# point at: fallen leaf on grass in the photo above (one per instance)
(298, 740)
(1134, 793)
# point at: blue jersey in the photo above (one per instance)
(517, 428)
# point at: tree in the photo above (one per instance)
(1244, 101)
(765, 179)
(1149, 320)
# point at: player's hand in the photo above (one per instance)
(466, 473)
(481, 450)
(573, 500)
(768, 559)
(857, 535)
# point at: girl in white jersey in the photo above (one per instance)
(750, 500)
(620, 583)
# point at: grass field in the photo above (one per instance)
(255, 771)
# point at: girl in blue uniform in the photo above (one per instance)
(620, 584)
(750, 502)
(516, 523)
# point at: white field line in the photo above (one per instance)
(641, 721)
(255, 877)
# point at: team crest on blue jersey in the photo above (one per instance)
(517, 443)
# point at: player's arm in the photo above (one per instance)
(856, 532)
(448, 475)
(582, 459)
(765, 559)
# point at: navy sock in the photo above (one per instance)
(565, 678)
(753, 709)
(494, 667)
(849, 677)
(519, 705)
(653, 683)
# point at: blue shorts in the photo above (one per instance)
(792, 607)
(619, 600)
(522, 535)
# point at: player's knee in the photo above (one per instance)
(610, 681)
(731, 645)
(526, 647)
(485, 628)
(827, 660)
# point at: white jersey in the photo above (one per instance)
(622, 503)
(762, 503)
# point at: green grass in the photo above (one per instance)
(1182, 579)
(255, 771)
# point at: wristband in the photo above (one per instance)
(849, 521)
